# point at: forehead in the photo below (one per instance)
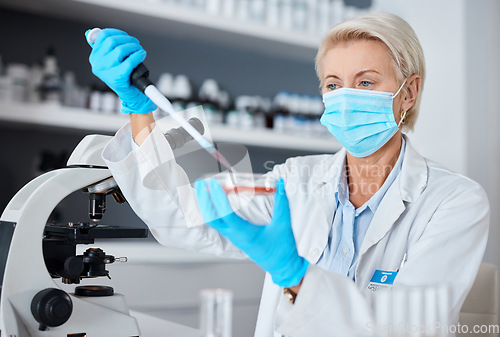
(348, 58)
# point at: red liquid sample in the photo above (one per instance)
(249, 189)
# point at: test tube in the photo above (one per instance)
(405, 311)
(216, 312)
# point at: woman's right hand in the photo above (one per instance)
(114, 56)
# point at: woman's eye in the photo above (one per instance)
(331, 86)
(366, 83)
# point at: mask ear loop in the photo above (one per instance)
(403, 114)
(401, 87)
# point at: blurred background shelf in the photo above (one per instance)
(59, 116)
(167, 19)
(271, 139)
(79, 119)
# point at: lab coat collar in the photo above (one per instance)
(327, 184)
(413, 174)
(325, 190)
(407, 187)
(332, 168)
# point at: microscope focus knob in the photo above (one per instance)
(51, 307)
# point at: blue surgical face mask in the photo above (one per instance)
(361, 120)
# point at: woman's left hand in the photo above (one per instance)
(271, 246)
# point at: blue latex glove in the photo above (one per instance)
(271, 246)
(114, 56)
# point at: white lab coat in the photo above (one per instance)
(438, 218)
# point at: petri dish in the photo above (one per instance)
(251, 184)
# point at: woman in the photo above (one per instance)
(376, 205)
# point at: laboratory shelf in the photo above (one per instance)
(53, 115)
(273, 139)
(163, 18)
(49, 115)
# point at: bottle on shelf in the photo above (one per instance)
(212, 6)
(165, 84)
(242, 116)
(109, 104)
(182, 92)
(323, 16)
(354, 8)
(317, 109)
(209, 96)
(95, 99)
(4, 88)
(299, 15)
(231, 118)
(272, 13)
(309, 115)
(4, 83)
(242, 10)
(18, 75)
(257, 10)
(199, 4)
(186, 3)
(35, 82)
(226, 104)
(336, 12)
(228, 8)
(100, 100)
(257, 112)
(301, 117)
(311, 17)
(286, 10)
(281, 112)
(70, 91)
(265, 109)
(51, 81)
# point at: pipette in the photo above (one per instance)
(139, 78)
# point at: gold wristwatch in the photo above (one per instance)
(290, 295)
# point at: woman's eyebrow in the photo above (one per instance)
(359, 73)
(332, 76)
(362, 72)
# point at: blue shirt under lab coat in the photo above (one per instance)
(350, 224)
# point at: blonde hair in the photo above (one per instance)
(400, 39)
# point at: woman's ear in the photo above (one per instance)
(413, 87)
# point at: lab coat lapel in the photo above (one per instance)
(406, 188)
(324, 195)
(326, 201)
(386, 215)
(326, 186)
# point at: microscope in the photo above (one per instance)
(34, 253)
